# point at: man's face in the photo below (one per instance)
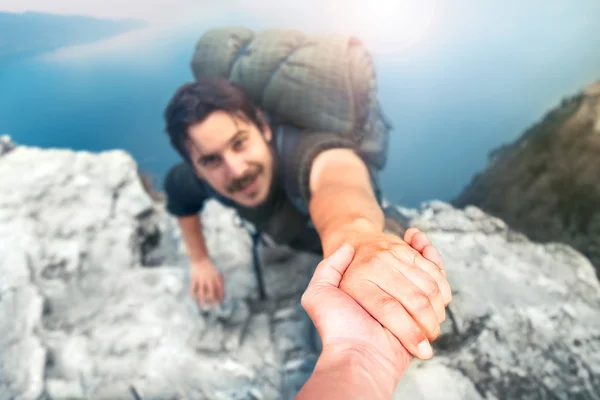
(233, 157)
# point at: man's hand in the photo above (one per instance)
(360, 358)
(206, 283)
(402, 284)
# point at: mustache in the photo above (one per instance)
(241, 183)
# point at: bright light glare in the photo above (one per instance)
(386, 26)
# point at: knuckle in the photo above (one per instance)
(431, 288)
(419, 301)
(375, 258)
(388, 304)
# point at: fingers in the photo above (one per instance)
(220, 289)
(391, 313)
(330, 270)
(209, 290)
(434, 273)
(194, 289)
(391, 279)
(433, 255)
(420, 242)
(409, 234)
(424, 275)
(207, 287)
(200, 293)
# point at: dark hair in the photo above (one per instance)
(193, 102)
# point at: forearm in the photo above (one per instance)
(191, 231)
(348, 375)
(341, 213)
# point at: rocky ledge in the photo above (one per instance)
(94, 299)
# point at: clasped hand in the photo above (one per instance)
(382, 296)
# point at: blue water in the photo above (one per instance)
(479, 83)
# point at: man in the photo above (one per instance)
(230, 154)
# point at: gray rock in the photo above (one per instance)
(525, 317)
(6, 144)
(94, 299)
(22, 354)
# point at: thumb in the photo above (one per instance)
(329, 272)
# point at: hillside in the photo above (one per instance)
(547, 183)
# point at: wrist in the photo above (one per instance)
(200, 263)
(334, 235)
(358, 367)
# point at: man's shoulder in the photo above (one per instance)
(185, 192)
(180, 173)
(181, 179)
(297, 149)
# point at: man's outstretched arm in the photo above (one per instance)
(343, 203)
(395, 283)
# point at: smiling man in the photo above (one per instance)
(309, 190)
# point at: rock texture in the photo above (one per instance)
(6, 144)
(94, 300)
(525, 317)
(547, 183)
(94, 297)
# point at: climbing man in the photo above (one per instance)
(309, 190)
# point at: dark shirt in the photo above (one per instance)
(276, 216)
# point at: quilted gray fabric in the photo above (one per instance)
(322, 83)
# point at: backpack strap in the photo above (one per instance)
(286, 139)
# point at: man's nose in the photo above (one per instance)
(236, 165)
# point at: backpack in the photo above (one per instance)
(320, 83)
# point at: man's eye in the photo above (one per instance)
(239, 144)
(210, 162)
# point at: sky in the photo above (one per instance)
(457, 78)
(379, 23)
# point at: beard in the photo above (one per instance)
(248, 178)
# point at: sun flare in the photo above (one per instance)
(385, 25)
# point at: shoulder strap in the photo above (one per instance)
(286, 139)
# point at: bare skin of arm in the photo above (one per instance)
(345, 374)
(206, 284)
(395, 283)
(191, 230)
(343, 203)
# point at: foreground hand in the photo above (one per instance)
(206, 283)
(346, 330)
(402, 284)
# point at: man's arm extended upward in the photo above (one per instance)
(403, 290)
(343, 204)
